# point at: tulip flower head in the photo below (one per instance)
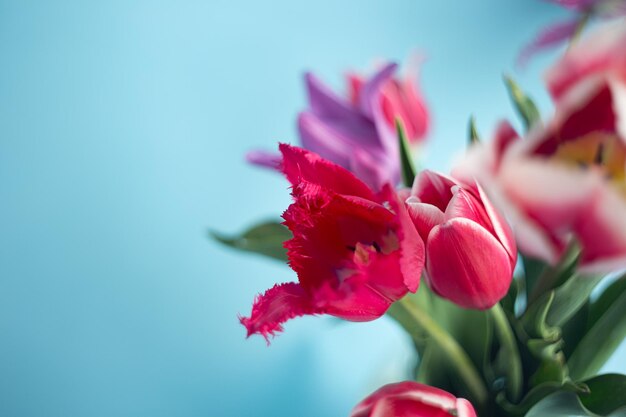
(358, 131)
(412, 399)
(470, 249)
(568, 177)
(355, 251)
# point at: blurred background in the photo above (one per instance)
(123, 126)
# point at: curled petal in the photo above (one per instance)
(465, 205)
(433, 188)
(425, 216)
(467, 265)
(279, 304)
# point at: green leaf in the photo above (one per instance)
(570, 297)
(406, 161)
(471, 329)
(532, 271)
(607, 394)
(510, 299)
(509, 352)
(606, 330)
(524, 105)
(561, 404)
(534, 319)
(545, 361)
(535, 395)
(265, 239)
(553, 276)
(473, 135)
(606, 299)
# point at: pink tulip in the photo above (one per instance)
(411, 399)
(355, 251)
(470, 250)
(568, 177)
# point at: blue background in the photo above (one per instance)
(122, 130)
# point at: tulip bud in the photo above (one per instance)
(411, 399)
(470, 250)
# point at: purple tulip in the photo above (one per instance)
(358, 132)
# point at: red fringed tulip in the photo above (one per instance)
(470, 249)
(358, 132)
(411, 399)
(568, 177)
(355, 251)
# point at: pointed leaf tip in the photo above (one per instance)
(473, 135)
(406, 160)
(264, 238)
(523, 104)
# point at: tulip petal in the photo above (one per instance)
(317, 136)
(412, 248)
(354, 301)
(578, 5)
(464, 204)
(619, 103)
(505, 136)
(371, 105)
(301, 165)
(433, 188)
(500, 226)
(601, 231)
(264, 159)
(425, 216)
(552, 194)
(599, 53)
(464, 408)
(467, 265)
(412, 399)
(370, 92)
(325, 103)
(279, 304)
(373, 171)
(551, 36)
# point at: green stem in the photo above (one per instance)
(415, 320)
(503, 329)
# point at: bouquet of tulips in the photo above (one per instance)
(507, 273)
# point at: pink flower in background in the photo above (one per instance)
(355, 251)
(358, 132)
(569, 176)
(412, 399)
(470, 249)
(562, 32)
